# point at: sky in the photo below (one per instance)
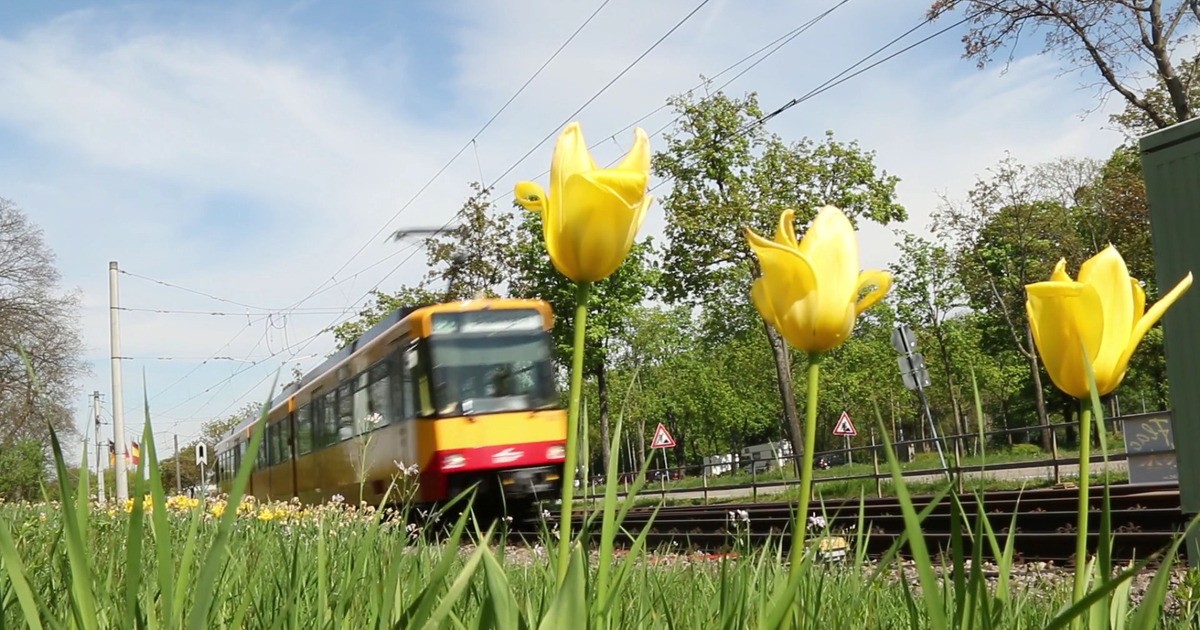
(244, 162)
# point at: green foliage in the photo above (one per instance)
(1026, 450)
(728, 173)
(385, 304)
(22, 471)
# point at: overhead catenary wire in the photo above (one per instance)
(472, 141)
(831, 83)
(602, 90)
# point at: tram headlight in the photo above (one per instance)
(453, 460)
(556, 452)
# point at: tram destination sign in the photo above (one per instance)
(490, 321)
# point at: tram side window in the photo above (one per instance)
(361, 403)
(329, 423)
(378, 392)
(345, 408)
(304, 432)
(285, 439)
(400, 388)
(416, 386)
(272, 448)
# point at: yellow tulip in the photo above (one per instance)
(809, 289)
(592, 215)
(1103, 313)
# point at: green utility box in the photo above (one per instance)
(1171, 168)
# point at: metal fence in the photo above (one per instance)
(676, 480)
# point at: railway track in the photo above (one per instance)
(1145, 520)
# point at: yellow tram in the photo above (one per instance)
(442, 396)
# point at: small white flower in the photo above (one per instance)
(816, 522)
(337, 498)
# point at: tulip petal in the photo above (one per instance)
(785, 233)
(882, 281)
(1106, 272)
(831, 247)
(638, 158)
(570, 156)
(787, 290)
(762, 303)
(601, 209)
(1139, 299)
(531, 196)
(1060, 272)
(1143, 324)
(1062, 317)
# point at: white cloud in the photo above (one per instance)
(250, 161)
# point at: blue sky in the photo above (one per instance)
(249, 151)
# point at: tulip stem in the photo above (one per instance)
(582, 293)
(1081, 532)
(800, 528)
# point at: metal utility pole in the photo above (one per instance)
(178, 483)
(916, 378)
(118, 401)
(99, 466)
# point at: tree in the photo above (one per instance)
(22, 470)
(729, 174)
(1006, 236)
(41, 320)
(466, 260)
(928, 293)
(1120, 40)
(473, 257)
(385, 304)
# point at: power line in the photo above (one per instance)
(832, 83)
(464, 147)
(168, 311)
(604, 89)
(774, 46)
(197, 292)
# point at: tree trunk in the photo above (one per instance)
(783, 370)
(959, 422)
(641, 452)
(1037, 389)
(602, 394)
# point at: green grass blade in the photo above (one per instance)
(454, 593)
(133, 551)
(159, 524)
(206, 581)
(18, 578)
(569, 608)
(499, 600)
(187, 559)
(83, 599)
(608, 531)
(934, 609)
(1152, 599)
(421, 609)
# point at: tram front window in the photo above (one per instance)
(475, 374)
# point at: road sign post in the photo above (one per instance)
(662, 440)
(916, 378)
(845, 428)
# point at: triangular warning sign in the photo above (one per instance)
(845, 426)
(662, 439)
